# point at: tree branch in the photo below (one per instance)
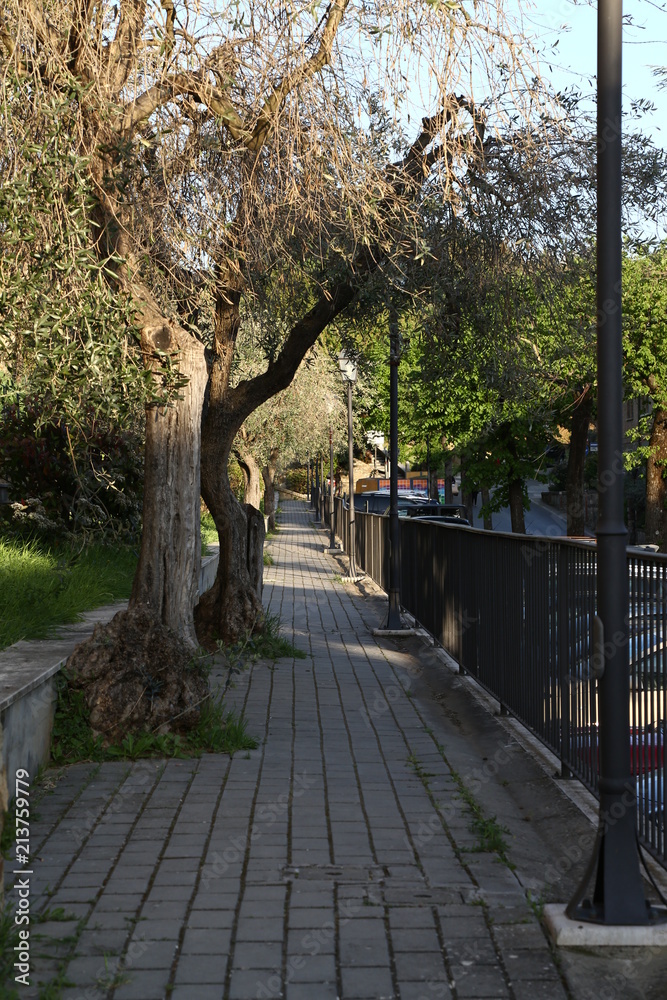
(122, 52)
(192, 84)
(305, 69)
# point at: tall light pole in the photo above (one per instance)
(394, 622)
(332, 527)
(348, 370)
(618, 896)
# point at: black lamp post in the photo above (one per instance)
(348, 370)
(332, 527)
(394, 614)
(316, 491)
(618, 896)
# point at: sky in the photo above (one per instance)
(573, 60)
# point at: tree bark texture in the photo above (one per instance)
(167, 575)
(576, 460)
(516, 507)
(486, 500)
(656, 483)
(251, 475)
(269, 477)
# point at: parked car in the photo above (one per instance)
(647, 747)
(459, 522)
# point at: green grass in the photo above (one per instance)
(217, 731)
(267, 644)
(41, 587)
(209, 533)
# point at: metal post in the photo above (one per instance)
(322, 489)
(332, 530)
(350, 449)
(316, 491)
(309, 494)
(394, 613)
(428, 468)
(618, 896)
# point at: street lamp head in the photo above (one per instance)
(348, 367)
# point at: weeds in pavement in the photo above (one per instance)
(490, 832)
(265, 644)
(216, 731)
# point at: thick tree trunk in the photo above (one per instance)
(232, 607)
(167, 575)
(574, 481)
(516, 507)
(486, 499)
(251, 476)
(656, 483)
(269, 477)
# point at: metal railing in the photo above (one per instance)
(517, 614)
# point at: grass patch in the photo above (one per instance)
(43, 587)
(267, 644)
(217, 731)
(490, 833)
(208, 531)
(268, 559)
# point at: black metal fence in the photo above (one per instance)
(517, 614)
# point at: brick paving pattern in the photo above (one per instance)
(337, 860)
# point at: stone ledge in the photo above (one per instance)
(27, 684)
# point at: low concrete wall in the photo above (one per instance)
(27, 685)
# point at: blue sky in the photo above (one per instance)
(573, 61)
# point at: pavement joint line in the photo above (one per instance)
(197, 882)
(246, 859)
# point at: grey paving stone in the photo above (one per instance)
(526, 989)
(246, 985)
(150, 954)
(257, 954)
(211, 918)
(204, 992)
(304, 991)
(425, 965)
(371, 983)
(479, 981)
(196, 969)
(431, 990)
(143, 985)
(315, 969)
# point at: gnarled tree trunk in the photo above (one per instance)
(656, 483)
(269, 477)
(574, 480)
(167, 575)
(251, 475)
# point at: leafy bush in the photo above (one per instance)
(87, 478)
(296, 479)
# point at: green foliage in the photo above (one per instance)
(216, 731)
(85, 480)
(296, 479)
(43, 587)
(264, 644)
(209, 532)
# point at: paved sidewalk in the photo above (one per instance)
(341, 859)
